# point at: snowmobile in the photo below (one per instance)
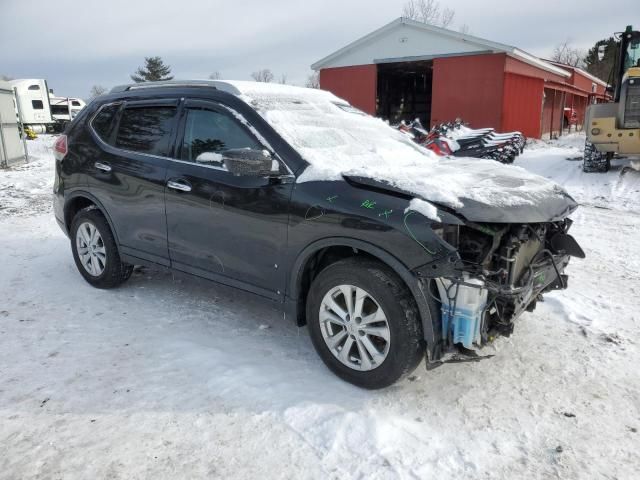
(503, 150)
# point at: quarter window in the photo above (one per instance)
(104, 122)
(146, 129)
(209, 133)
(37, 104)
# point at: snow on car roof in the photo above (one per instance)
(336, 139)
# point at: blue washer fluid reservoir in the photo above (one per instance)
(462, 309)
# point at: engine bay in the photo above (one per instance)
(503, 270)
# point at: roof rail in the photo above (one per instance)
(166, 83)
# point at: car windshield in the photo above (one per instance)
(336, 140)
(328, 132)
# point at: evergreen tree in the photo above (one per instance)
(154, 70)
(602, 68)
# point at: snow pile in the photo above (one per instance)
(424, 208)
(561, 161)
(337, 139)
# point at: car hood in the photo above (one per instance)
(479, 191)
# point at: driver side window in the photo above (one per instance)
(209, 133)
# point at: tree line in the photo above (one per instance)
(155, 70)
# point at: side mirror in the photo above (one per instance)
(249, 163)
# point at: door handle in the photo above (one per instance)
(105, 167)
(181, 185)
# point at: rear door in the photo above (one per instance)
(220, 226)
(128, 175)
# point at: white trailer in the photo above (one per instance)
(64, 109)
(13, 149)
(32, 96)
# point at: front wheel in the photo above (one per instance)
(595, 161)
(364, 323)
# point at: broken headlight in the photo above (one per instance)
(449, 233)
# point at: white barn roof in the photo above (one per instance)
(409, 40)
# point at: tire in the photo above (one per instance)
(109, 270)
(386, 292)
(595, 161)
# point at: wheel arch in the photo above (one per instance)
(79, 200)
(310, 262)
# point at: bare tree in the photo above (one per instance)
(567, 54)
(313, 80)
(283, 79)
(215, 75)
(464, 28)
(428, 11)
(265, 75)
(5, 78)
(446, 17)
(96, 91)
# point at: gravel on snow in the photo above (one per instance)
(169, 377)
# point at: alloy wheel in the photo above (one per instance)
(91, 249)
(354, 327)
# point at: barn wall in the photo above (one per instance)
(522, 104)
(356, 84)
(403, 41)
(552, 109)
(470, 88)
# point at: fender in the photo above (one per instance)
(428, 313)
(84, 194)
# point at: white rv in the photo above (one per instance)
(32, 96)
(64, 109)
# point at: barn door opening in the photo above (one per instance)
(404, 91)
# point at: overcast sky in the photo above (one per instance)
(75, 44)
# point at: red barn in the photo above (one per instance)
(409, 69)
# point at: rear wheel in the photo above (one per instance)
(595, 161)
(364, 323)
(95, 251)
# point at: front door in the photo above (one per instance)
(222, 226)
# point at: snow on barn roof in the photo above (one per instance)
(582, 72)
(442, 43)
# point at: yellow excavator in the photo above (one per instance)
(614, 127)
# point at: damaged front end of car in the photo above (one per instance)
(493, 273)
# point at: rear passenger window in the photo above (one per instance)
(104, 122)
(146, 129)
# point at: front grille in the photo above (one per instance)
(632, 105)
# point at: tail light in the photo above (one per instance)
(60, 147)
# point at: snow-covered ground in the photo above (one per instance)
(175, 378)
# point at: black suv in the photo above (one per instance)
(386, 253)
